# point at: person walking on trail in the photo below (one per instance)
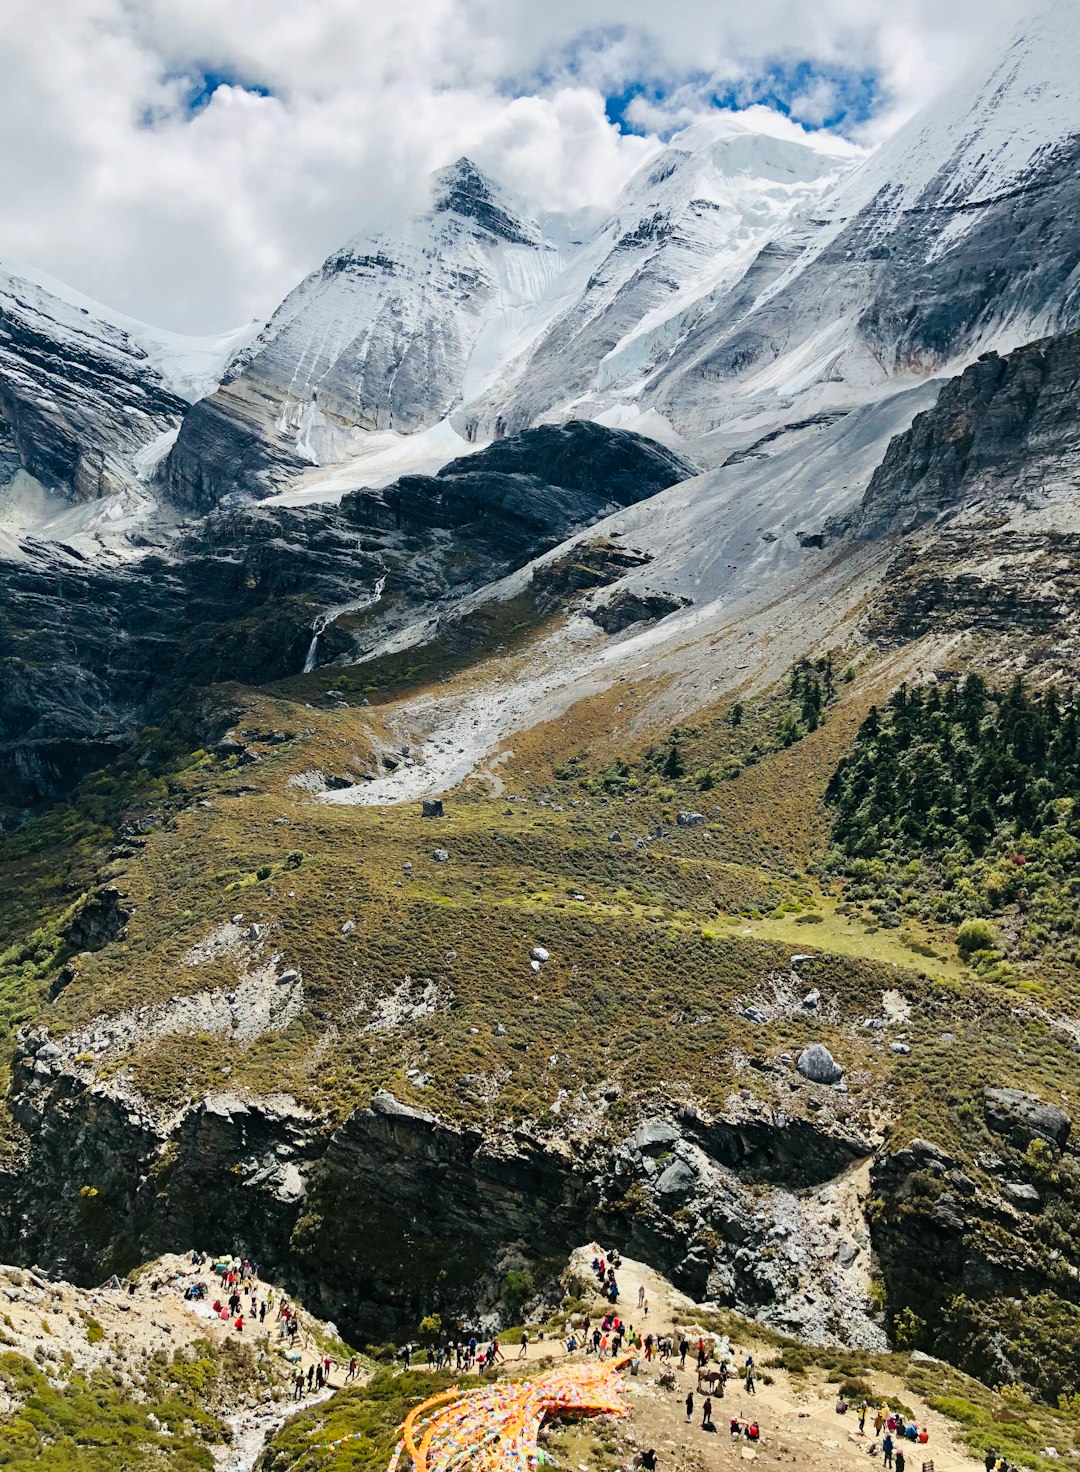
(887, 1449)
(750, 1380)
(352, 1369)
(640, 1294)
(862, 1419)
(898, 1461)
(298, 1386)
(523, 1352)
(684, 1347)
(689, 1406)
(706, 1415)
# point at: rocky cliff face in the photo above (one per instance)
(397, 1213)
(92, 650)
(1005, 429)
(79, 397)
(529, 492)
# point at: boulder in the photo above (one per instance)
(1021, 1194)
(441, 856)
(812, 998)
(348, 927)
(615, 837)
(655, 1135)
(690, 820)
(818, 1065)
(1025, 1117)
(901, 1048)
(677, 1180)
(432, 807)
(539, 953)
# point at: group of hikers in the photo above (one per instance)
(736, 1426)
(605, 1277)
(318, 1375)
(240, 1292)
(892, 1430)
(239, 1296)
(464, 1354)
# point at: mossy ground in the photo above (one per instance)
(652, 948)
(97, 1423)
(369, 1415)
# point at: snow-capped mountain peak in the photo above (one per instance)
(1015, 103)
(464, 190)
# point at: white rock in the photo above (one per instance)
(818, 1065)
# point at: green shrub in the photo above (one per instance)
(975, 935)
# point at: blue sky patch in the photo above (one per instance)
(201, 86)
(851, 96)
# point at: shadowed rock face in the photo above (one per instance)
(75, 405)
(90, 651)
(528, 492)
(1004, 425)
(395, 1212)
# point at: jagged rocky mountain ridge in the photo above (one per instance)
(743, 279)
(439, 318)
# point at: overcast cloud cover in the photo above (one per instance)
(188, 161)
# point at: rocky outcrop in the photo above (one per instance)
(628, 607)
(1005, 427)
(954, 1246)
(1025, 1117)
(396, 1213)
(529, 492)
(97, 921)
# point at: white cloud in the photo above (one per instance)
(200, 221)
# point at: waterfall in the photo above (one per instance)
(322, 621)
